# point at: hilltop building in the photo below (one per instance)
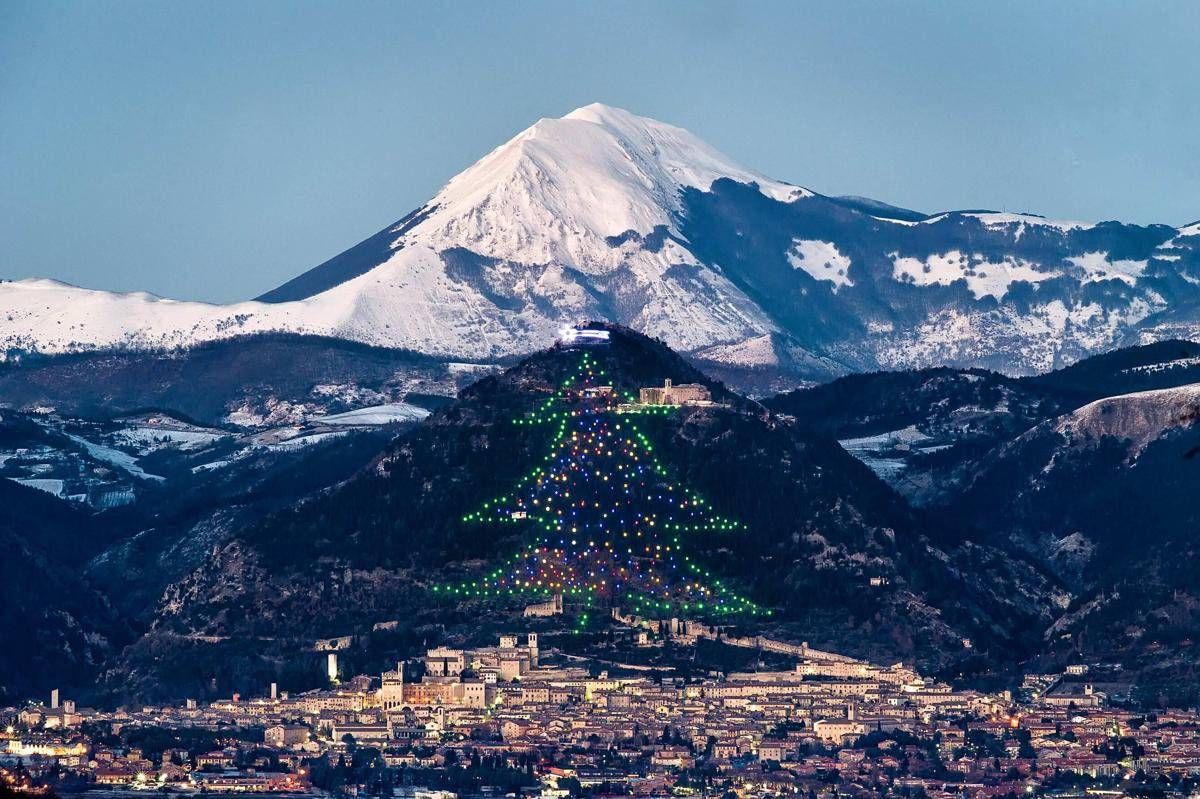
(462, 677)
(551, 607)
(678, 395)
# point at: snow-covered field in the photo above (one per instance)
(375, 415)
(1097, 266)
(48, 484)
(147, 439)
(984, 278)
(822, 261)
(887, 453)
(285, 441)
(122, 460)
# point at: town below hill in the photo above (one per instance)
(521, 717)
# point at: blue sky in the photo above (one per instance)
(213, 150)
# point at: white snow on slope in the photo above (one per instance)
(277, 440)
(1163, 366)
(883, 453)
(983, 278)
(408, 302)
(1174, 243)
(558, 188)
(541, 212)
(374, 415)
(114, 457)
(48, 484)
(1048, 335)
(149, 438)
(302, 441)
(1096, 267)
(1018, 223)
(542, 209)
(759, 350)
(904, 437)
(995, 220)
(821, 260)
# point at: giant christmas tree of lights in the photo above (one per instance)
(604, 522)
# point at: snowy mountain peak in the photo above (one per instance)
(559, 188)
(604, 214)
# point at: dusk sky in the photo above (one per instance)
(214, 150)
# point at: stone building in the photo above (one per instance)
(669, 394)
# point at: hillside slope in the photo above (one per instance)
(372, 550)
(1104, 496)
(58, 630)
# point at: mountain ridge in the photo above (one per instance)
(605, 214)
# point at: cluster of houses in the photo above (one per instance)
(828, 721)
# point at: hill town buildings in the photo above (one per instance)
(640, 733)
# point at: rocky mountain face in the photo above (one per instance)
(1088, 471)
(924, 430)
(604, 214)
(1104, 497)
(99, 515)
(192, 493)
(919, 431)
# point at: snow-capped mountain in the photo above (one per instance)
(603, 214)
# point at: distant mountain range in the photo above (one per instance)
(604, 214)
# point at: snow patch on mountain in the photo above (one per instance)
(885, 453)
(757, 351)
(48, 484)
(984, 278)
(821, 260)
(374, 415)
(1097, 267)
(114, 457)
(1048, 335)
(1017, 223)
(150, 438)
